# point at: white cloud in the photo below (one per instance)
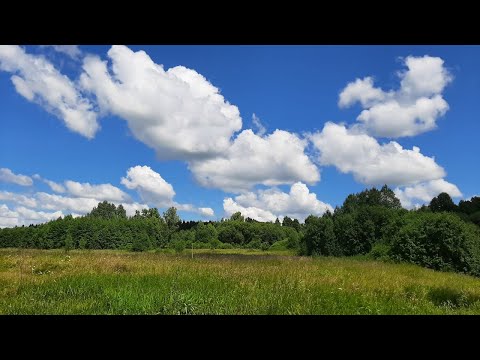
(206, 211)
(154, 190)
(151, 187)
(275, 159)
(100, 192)
(361, 90)
(72, 51)
(411, 110)
(8, 218)
(37, 80)
(59, 188)
(70, 204)
(372, 163)
(261, 130)
(230, 207)
(176, 112)
(425, 192)
(23, 216)
(18, 199)
(6, 175)
(267, 205)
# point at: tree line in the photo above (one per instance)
(441, 235)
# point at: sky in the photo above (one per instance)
(270, 131)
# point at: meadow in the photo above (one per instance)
(230, 281)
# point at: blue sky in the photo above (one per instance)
(321, 153)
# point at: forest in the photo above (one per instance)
(442, 236)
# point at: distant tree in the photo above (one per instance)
(104, 210)
(442, 202)
(121, 212)
(237, 216)
(68, 243)
(172, 220)
(205, 233)
(277, 222)
(320, 237)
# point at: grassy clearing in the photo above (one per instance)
(219, 282)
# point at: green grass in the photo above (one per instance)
(224, 282)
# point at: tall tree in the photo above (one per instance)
(442, 202)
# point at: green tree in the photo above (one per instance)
(68, 243)
(442, 202)
(237, 216)
(172, 220)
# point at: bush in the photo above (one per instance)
(179, 246)
(264, 246)
(254, 244)
(439, 241)
(225, 246)
(380, 251)
(280, 245)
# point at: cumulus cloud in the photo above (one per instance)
(37, 80)
(72, 51)
(18, 199)
(206, 211)
(267, 205)
(23, 216)
(102, 192)
(6, 175)
(278, 158)
(150, 185)
(425, 192)
(370, 162)
(154, 190)
(408, 111)
(177, 112)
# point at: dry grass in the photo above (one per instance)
(223, 282)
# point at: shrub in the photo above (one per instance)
(264, 246)
(225, 246)
(439, 241)
(380, 251)
(179, 246)
(280, 245)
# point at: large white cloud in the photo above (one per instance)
(106, 192)
(18, 199)
(275, 159)
(176, 112)
(7, 175)
(372, 163)
(412, 196)
(150, 185)
(37, 80)
(408, 111)
(154, 190)
(267, 205)
(23, 216)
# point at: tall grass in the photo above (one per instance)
(219, 282)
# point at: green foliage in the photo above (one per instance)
(179, 246)
(68, 243)
(141, 242)
(380, 251)
(443, 202)
(237, 216)
(439, 241)
(206, 233)
(280, 245)
(320, 237)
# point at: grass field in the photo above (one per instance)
(223, 282)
